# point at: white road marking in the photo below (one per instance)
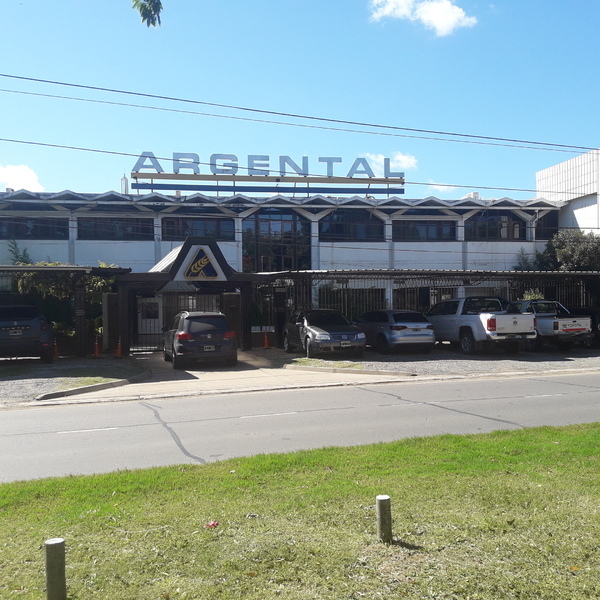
(88, 430)
(269, 415)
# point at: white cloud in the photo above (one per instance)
(398, 162)
(443, 16)
(19, 177)
(441, 188)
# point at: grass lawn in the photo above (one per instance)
(507, 515)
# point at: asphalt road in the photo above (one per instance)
(96, 438)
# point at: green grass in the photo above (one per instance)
(501, 516)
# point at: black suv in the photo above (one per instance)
(199, 336)
(322, 331)
(25, 332)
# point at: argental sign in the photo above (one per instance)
(263, 174)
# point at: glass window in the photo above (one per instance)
(179, 228)
(98, 228)
(495, 225)
(350, 225)
(546, 226)
(275, 239)
(33, 228)
(423, 231)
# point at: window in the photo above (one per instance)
(179, 228)
(275, 239)
(34, 229)
(349, 225)
(423, 231)
(115, 229)
(495, 225)
(546, 226)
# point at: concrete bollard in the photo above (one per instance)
(56, 582)
(384, 519)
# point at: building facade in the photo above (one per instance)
(297, 232)
(279, 233)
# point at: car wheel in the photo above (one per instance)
(381, 345)
(47, 356)
(426, 349)
(287, 347)
(467, 342)
(177, 364)
(231, 362)
(310, 351)
(359, 353)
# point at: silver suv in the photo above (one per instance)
(198, 337)
(322, 331)
(25, 332)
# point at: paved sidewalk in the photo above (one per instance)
(255, 371)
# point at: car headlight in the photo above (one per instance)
(360, 336)
(322, 337)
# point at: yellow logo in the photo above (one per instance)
(201, 267)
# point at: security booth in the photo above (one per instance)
(194, 276)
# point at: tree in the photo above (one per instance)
(149, 11)
(19, 257)
(576, 250)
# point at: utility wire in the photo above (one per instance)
(359, 181)
(297, 116)
(286, 124)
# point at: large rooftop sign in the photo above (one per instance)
(259, 173)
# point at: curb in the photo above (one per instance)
(94, 388)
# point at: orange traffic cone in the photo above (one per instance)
(266, 346)
(96, 349)
(119, 351)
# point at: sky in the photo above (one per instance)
(378, 78)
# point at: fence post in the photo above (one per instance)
(56, 582)
(384, 519)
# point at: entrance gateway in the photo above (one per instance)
(193, 276)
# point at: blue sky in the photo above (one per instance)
(517, 70)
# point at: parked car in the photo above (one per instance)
(594, 314)
(25, 332)
(476, 322)
(322, 331)
(387, 330)
(555, 324)
(199, 336)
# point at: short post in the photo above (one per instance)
(384, 519)
(56, 582)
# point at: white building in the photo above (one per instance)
(576, 184)
(278, 233)
(304, 232)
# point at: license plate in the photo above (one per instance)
(15, 332)
(209, 348)
(345, 344)
(416, 329)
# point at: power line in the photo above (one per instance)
(300, 116)
(132, 155)
(286, 124)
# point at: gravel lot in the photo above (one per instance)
(21, 381)
(444, 360)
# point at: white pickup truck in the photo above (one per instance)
(555, 324)
(478, 321)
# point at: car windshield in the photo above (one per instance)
(409, 317)
(18, 313)
(321, 319)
